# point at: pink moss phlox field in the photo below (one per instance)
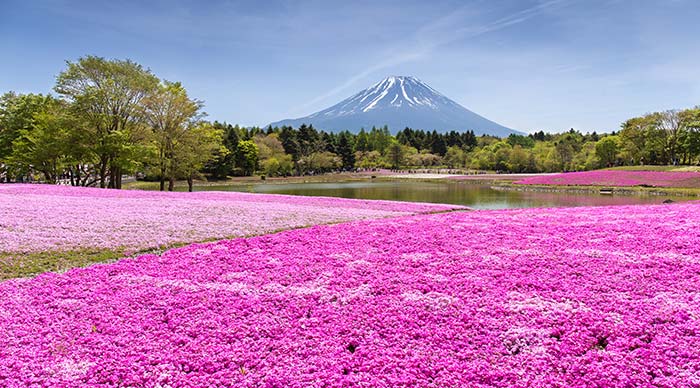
(37, 218)
(585, 297)
(618, 178)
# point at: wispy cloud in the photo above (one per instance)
(442, 31)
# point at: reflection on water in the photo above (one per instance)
(472, 195)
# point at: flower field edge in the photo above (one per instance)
(618, 178)
(103, 225)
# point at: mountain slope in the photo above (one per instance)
(399, 102)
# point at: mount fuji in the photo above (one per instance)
(399, 102)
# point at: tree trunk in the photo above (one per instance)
(162, 177)
(49, 177)
(103, 173)
(171, 183)
(190, 183)
(110, 185)
(118, 178)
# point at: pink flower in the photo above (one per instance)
(617, 178)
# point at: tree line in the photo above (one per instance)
(110, 118)
(115, 118)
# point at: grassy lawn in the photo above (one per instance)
(18, 265)
(252, 180)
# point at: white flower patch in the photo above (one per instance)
(518, 302)
(72, 370)
(433, 300)
(518, 340)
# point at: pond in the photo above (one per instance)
(476, 196)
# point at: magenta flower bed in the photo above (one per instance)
(36, 218)
(585, 297)
(618, 178)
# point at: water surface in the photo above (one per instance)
(473, 195)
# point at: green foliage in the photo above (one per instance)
(362, 141)
(247, 157)
(345, 150)
(44, 146)
(172, 116)
(519, 160)
(420, 159)
(395, 154)
(669, 137)
(106, 94)
(279, 165)
(587, 158)
(320, 162)
(272, 158)
(223, 163)
(607, 150)
(17, 119)
(288, 137)
(455, 157)
(521, 140)
(199, 143)
(368, 159)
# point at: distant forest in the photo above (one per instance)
(114, 118)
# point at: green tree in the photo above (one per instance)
(523, 141)
(689, 142)
(223, 164)
(278, 165)
(546, 157)
(362, 141)
(345, 150)
(437, 144)
(395, 154)
(17, 117)
(520, 160)
(289, 140)
(368, 159)
(320, 162)
(633, 138)
(378, 139)
(45, 145)
(566, 146)
(309, 140)
(673, 128)
(421, 159)
(455, 157)
(170, 113)
(107, 94)
(607, 150)
(247, 157)
(586, 158)
(271, 156)
(197, 145)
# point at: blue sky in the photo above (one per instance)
(527, 64)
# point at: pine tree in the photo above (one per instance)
(437, 144)
(345, 150)
(288, 137)
(362, 142)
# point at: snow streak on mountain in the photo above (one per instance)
(399, 102)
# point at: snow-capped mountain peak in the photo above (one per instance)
(393, 91)
(399, 101)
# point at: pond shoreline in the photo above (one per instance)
(610, 190)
